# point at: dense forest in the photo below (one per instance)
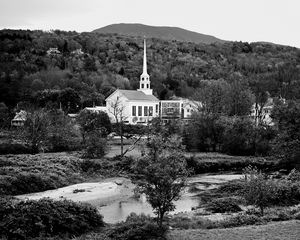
(108, 61)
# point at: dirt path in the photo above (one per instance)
(288, 230)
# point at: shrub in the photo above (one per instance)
(283, 193)
(136, 227)
(108, 167)
(222, 162)
(91, 165)
(46, 218)
(123, 163)
(222, 205)
(20, 174)
(294, 175)
(13, 148)
(258, 190)
(240, 219)
(32, 183)
(95, 146)
(191, 223)
(231, 187)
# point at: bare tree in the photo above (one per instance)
(117, 110)
(35, 129)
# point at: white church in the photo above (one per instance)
(141, 106)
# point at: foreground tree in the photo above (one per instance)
(35, 129)
(161, 174)
(258, 189)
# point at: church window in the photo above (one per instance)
(143, 78)
(142, 85)
(133, 110)
(147, 85)
(140, 110)
(156, 108)
(145, 111)
(150, 111)
(170, 110)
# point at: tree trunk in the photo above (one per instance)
(160, 218)
(262, 210)
(121, 134)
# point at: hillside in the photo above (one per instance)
(110, 61)
(166, 33)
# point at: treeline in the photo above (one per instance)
(110, 61)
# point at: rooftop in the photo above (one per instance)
(137, 95)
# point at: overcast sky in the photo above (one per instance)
(275, 21)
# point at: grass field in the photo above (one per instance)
(288, 230)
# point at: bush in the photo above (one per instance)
(136, 227)
(95, 146)
(108, 167)
(261, 191)
(123, 163)
(20, 174)
(91, 165)
(231, 187)
(191, 223)
(14, 148)
(61, 144)
(294, 175)
(222, 205)
(31, 182)
(258, 189)
(46, 218)
(240, 219)
(221, 162)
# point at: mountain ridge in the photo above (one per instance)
(162, 32)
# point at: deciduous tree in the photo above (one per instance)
(161, 174)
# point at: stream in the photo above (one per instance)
(115, 200)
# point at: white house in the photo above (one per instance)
(180, 108)
(53, 51)
(263, 113)
(134, 106)
(19, 119)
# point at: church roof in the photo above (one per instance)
(137, 95)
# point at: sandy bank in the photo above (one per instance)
(100, 193)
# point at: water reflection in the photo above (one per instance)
(118, 211)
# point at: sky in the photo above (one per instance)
(276, 21)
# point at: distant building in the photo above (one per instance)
(77, 52)
(53, 51)
(262, 114)
(180, 108)
(19, 119)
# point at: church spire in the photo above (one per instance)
(145, 60)
(145, 78)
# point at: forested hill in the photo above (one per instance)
(111, 61)
(166, 33)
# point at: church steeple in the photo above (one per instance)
(145, 78)
(145, 60)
